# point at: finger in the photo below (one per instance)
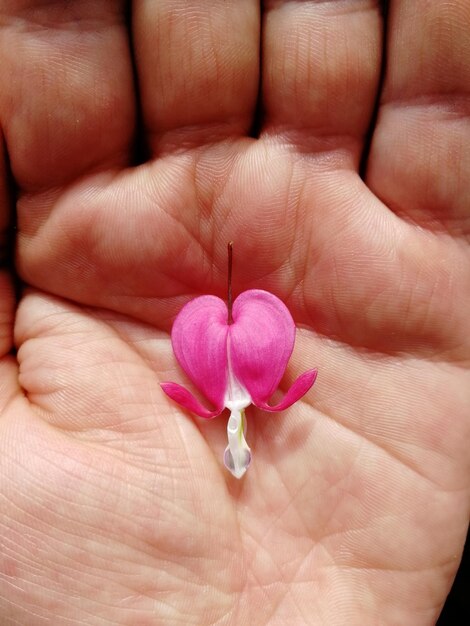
(320, 72)
(8, 368)
(4, 205)
(420, 162)
(7, 299)
(7, 302)
(197, 64)
(66, 102)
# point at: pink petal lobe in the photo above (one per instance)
(186, 399)
(199, 339)
(261, 341)
(298, 389)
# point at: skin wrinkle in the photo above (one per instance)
(338, 7)
(418, 350)
(201, 205)
(310, 143)
(288, 589)
(372, 441)
(96, 530)
(186, 139)
(381, 355)
(409, 571)
(350, 531)
(392, 455)
(453, 106)
(146, 555)
(194, 237)
(44, 410)
(41, 589)
(273, 607)
(455, 229)
(322, 532)
(31, 26)
(226, 618)
(280, 514)
(296, 227)
(26, 609)
(264, 586)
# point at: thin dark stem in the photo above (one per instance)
(229, 282)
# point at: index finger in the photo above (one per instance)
(66, 103)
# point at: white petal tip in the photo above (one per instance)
(239, 467)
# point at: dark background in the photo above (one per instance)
(456, 611)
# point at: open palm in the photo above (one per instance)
(115, 505)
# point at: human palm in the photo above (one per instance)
(116, 507)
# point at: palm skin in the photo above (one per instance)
(116, 507)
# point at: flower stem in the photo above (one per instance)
(229, 282)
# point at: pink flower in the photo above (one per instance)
(235, 364)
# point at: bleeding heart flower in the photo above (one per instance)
(235, 363)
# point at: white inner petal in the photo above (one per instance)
(237, 397)
(237, 456)
(232, 425)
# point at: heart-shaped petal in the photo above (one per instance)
(261, 341)
(199, 339)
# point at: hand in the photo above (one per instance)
(115, 505)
